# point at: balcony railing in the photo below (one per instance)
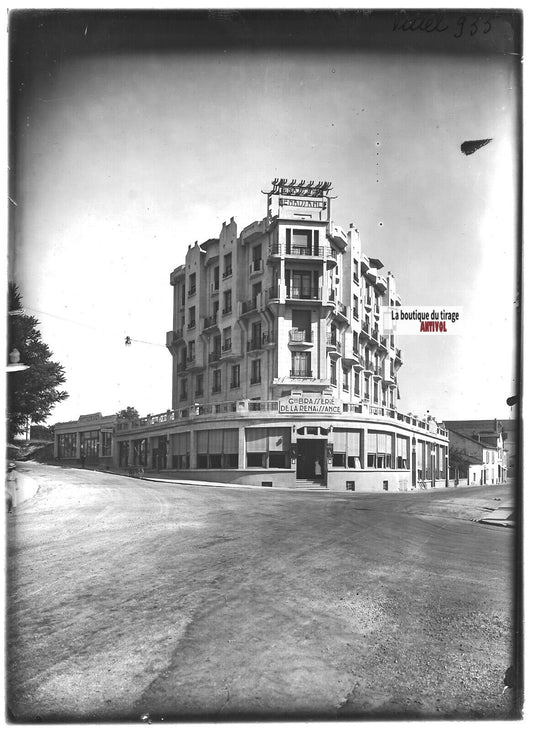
(303, 293)
(191, 292)
(191, 325)
(210, 322)
(249, 305)
(254, 344)
(300, 336)
(342, 309)
(255, 379)
(301, 373)
(332, 341)
(355, 313)
(375, 333)
(256, 266)
(273, 293)
(191, 359)
(383, 340)
(214, 356)
(226, 310)
(226, 345)
(227, 273)
(366, 327)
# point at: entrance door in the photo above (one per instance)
(310, 460)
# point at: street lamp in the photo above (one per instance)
(14, 362)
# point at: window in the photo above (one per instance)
(66, 446)
(235, 376)
(192, 318)
(256, 336)
(301, 364)
(376, 398)
(355, 343)
(106, 440)
(227, 266)
(402, 453)
(256, 258)
(227, 302)
(89, 443)
(217, 381)
(379, 450)
(217, 449)
(356, 383)
(367, 388)
(268, 448)
(226, 339)
(183, 389)
(355, 308)
(191, 351)
(256, 371)
(304, 285)
(181, 449)
(182, 292)
(333, 373)
(216, 278)
(199, 390)
(345, 385)
(192, 284)
(301, 242)
(301, 322)
(347, 448)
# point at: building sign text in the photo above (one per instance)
(309, 405)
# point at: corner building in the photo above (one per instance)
(281, 372)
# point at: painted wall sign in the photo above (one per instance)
(309, 404)
(296, 203)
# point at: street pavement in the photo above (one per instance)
(128, 599)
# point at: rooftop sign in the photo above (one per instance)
(303, 189)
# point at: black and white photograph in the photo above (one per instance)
(264, 400)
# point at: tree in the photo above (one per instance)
(31, 394)
(129, 413)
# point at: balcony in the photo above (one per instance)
(268, 340)
(173, 336)
(191, 325)
(226, 310)
(256, 267)
(191, 292)
(254, 230)
(332, 343)
(365, 329)
(301, 373)
(214, 357)
(389, 378)
(254, 344)
(377, 372)
(398, 354)
(226, 345)
(303, 293)
(368, 368)
(341, 311)
(249, 306)
(182, 366)
(337, 235)
(300, 337)
(191, 360)
(381, 284)
(210, 322)
(368, 304)
(351, 358)
(227, 272)
(273, 293)
(375, 334)
(355, 313)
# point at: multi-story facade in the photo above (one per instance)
(282, 372)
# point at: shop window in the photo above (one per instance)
(268, 448)
(402, 453)
(346, 448)
(106, 437)
(66, 445)
(379, 450)
(217, 448)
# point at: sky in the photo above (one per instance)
(132, 138)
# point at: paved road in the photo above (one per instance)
(128, 598)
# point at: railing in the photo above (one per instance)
(226, 310)
(365, 327)
(226, 345)
(254, 344)
(191, 325)
(210, 322)
(273, 293)
(191, 292)
(267, 338)
(227, 273)
(298, 293)
(247, 406)
(301, 373)
(295, 250)
(383, 340)
(300, 336)
(355, 313)
(249, 305)
(256, 266)
(374, 333)
(332, 341)
(191, 359)
(342, 308)
(213, 357)
(254, 380)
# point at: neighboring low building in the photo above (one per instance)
(89, 440)
(475, 462)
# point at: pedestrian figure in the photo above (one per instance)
(82, 458)
(318, 468)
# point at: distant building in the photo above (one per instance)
(477, 451)
(282, 373)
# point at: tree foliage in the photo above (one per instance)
(31, 394)
(130, 413)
